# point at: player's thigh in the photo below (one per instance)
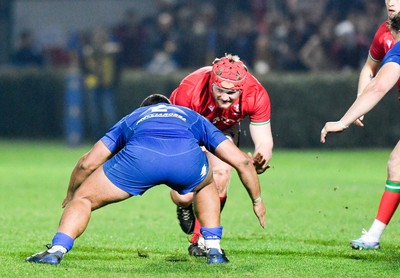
(217, 164)
(233, 133)
(99, 190)
(394, 164)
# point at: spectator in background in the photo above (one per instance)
(347, 47)
(286, 39)
(188, 34)
(164, 46)
(207, 18)
(27, 54)
(316, 53)
(188, 40)
(197, 35)
(241, 37)
(162, 63)
(131, 36)
(101, 69)
(341, 8)
(52, 40)
(75, 45)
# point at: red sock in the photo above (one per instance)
(388, 205)
(196, 232)
(223, 201)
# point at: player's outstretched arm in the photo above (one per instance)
(228, 152)
(372, 94)
(367, 73)
(263, 143)
(85, 166)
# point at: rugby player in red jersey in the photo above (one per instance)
(383, 41)
(225, 93)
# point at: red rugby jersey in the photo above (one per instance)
(195, 92)
(383, 41)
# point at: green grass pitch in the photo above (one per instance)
(317, 201)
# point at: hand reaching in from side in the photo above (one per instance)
(259, 162)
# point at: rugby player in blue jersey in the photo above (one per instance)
(158, 143)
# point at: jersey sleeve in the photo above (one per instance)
(115, 138)
(394, 59)
(261, 112)
(377, 49)
(393, 55)
(180, 96)
(188, 93)
(208, 135)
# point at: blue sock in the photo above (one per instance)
(211, 233)
(64, 240)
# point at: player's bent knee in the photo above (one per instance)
(393, 168)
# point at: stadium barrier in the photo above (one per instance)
(34, 105)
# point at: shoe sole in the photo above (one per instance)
(359, 247)
(218, 262)
(197, 254)
(51, 259)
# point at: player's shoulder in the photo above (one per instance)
(253, 86)
(200, 72)
(206, 69)
(382, 29)
(199, 76)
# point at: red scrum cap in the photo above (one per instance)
(229, 72)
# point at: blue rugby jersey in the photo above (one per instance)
(160, 144)
(393, 55)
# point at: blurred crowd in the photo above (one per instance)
(268, 35)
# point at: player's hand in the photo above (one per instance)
(359, 122)
(331, 127)
(259, 210)
(259, 162)
(67, 199)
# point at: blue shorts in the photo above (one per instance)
(144, 168)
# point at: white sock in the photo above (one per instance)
(56, 248)
(376, 230)
(214, 243)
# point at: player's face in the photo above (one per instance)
(224, 97)
(392, 7)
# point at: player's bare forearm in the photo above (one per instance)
(248, 176)
(250, 181)
(263, 145)
(228, 152)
